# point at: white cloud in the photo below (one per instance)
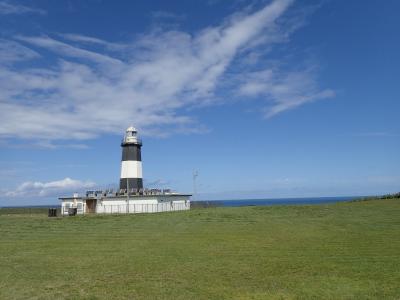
(68, 50)
(52, 188)
(95, 41)
(7, 8)
(285, 91)
(150, 82)
(11, 52)
(157, 183)
(166, 15)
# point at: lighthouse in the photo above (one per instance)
(131, 164)
(132, 198)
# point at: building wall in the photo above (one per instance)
(153, 204)
(73, 202)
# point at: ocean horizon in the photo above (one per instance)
(280, 201)
(244, 202)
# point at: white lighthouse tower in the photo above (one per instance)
(131, 164)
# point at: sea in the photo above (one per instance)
(280, 201)
(246, 202)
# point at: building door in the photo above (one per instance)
(91, 206)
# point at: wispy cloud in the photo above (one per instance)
(42, 144)
(7, 8)
(68, 50)
(51, 188)
(95, 41)
(157, 183)
(11, 52)
(166, 15)
(149, 82)
(285, 91)
(377, 134)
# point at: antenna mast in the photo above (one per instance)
(195, 174)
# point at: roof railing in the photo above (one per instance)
(138, 141)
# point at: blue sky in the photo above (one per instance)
(266, 99)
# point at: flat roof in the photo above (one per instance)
(124, 196)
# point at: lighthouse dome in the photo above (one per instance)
(131, 129)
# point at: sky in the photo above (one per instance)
(263, 99)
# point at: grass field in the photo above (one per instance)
(337, 251)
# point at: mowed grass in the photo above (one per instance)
(337, 251)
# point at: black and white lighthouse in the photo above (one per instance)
(132, 197)
(131, 165)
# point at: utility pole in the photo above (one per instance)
(195, 174)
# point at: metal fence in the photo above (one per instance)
(141, 208)
(131, 208)
(34, 210)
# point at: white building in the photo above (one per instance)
(103, 203)
(131, 197)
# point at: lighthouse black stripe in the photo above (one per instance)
(134, 183)
(131, 152)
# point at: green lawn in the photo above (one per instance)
(337, 251)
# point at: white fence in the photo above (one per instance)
(142, 208)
